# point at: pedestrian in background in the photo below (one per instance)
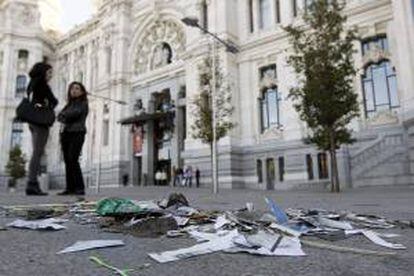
(73, 117)
(42, 97)
(197, 176)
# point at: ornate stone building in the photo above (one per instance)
(140, 52)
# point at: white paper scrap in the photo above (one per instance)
(375, 238)
(45, 224)
(221, 221)
(92, 244)
(218, 243)
(335, 224)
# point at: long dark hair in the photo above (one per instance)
(84, 96)
(38, 75)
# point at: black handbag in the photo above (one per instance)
(35, 114)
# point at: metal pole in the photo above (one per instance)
(214, 122)
(98, 167)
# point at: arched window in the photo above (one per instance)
(380, 88)
(21, 82)
(270, 108)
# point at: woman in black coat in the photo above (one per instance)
(73, 117)
(42, 96)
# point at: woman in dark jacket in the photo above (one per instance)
(73, 116)
(42, 96)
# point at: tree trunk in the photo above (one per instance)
(335, 187)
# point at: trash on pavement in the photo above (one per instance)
(102, 263)
(216, 243)
(46, 224)
(92, 244)
(375, 238)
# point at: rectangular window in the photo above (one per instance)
(265, 13)
(108, 60)
(309, 166)
(323, 166)
(295, 8)
(17, 134)
(277, 12)
(105, 130)
(281, 169)
(251, 18)
(205, 15)
(21, 85)
(259, 170)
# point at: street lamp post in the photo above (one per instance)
(193, 22)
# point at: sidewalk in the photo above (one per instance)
(34, 253)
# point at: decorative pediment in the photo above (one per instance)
(384, 117)
(152, 52)
(273, 132)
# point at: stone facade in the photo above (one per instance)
(140, 50)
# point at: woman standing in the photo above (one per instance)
(43, 97)
(73, 117)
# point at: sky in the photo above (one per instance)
(75, 12)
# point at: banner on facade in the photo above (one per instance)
(137, 140)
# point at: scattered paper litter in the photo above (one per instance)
(45, 224)
(375, 238)
(217, 243)
(280, 215)
(221, 221)
(92, 244)
(334, 223)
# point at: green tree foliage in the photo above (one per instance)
(202, 127)
(16, 165)
(323, 60)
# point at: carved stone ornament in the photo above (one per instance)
(273, 132)
(159, 34)
(384, 117)
(375, 55)
(269, 79)
(26, 15)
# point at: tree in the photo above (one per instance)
(323, 60)
(202, 127)
(16, 165)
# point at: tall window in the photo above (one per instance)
(17, 134)
(323, 166)
(21, 82)
(281, 168)
(204, 13)
(108, 60)
(270, 108)
(380, 88)
(294, 8)
(277, 12)
(265, 14)
(251, 17)
(259, 170)
(309, 166)
(105, 132)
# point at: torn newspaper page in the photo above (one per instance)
(218, 243)
(221, 221)
(92, 244)
(334, 223)
(45, 224)
(375, 238)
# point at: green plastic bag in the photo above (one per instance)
(117, 206)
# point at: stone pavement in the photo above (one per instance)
(24, 252)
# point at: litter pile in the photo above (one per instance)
(276, 232)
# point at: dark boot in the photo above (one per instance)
(33, 189)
